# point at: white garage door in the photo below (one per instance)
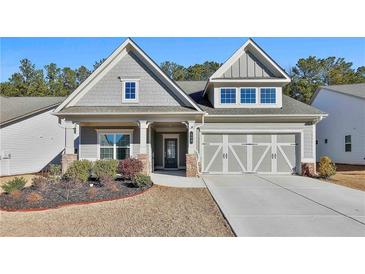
(255, 153)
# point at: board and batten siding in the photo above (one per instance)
(308, 149)
(108, 91)
(89, 141)
(247, 66)
(346, 116)
(32, 143)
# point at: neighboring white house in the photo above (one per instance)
(30, 136)
(341, 135)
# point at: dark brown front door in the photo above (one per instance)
(171, 153)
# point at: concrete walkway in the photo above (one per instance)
(176, 179)
(258, 205)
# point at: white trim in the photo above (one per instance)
(267, 115)
(121, 51)
(114, 132)
(130, 101)
(249, 81)
(171, 136)
(170, 129)
(130, 113)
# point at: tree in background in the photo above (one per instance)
(312, 72)
(174, 71)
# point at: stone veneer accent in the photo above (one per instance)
(191, 165)
(309, 169)
(144, 158)
(66, 161)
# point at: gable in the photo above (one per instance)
(104, 86)
(250, 62)
(108, 90)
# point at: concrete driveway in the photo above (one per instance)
(272, 205)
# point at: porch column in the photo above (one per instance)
(143, 137)
(191, 158)
(69, 155)
(191, 137)
(143, 155)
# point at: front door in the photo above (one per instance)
(171, 153)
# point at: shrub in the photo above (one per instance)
(109, 183)
(141, 180)
(326, 167)
(34, 197)
(130, 167)
(39, 182)
(17, 183)
(104, 168)
(79, 171)
(92, 192)
(54, 170)
(16, 194)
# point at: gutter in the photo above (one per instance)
(127, 113)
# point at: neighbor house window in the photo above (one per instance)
(248, 96)
(130, 91)
(267, 95)
(325, 141)
(114, 145)
(348, 143)
(228, 95)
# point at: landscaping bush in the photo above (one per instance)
(54, 170)
(104, 168)
(34, 197)
(79, 171)
(109, 183)
(141, 180)
(129, 168)
(326, 167)
(17, 183)
(16, 194)
(39, 182)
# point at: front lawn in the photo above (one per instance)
(350, 175)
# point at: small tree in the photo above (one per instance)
(326, 167)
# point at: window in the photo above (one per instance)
(348, 143)
(228, 96)
(130, 91)
(325, 141)
(267, 95)
(248, 96)
(114, 145)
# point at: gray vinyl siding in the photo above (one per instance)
(108, 91)
(89, 141)
(247, 66)
(308, 142)
(158, 148)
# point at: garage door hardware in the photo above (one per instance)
(273, 155)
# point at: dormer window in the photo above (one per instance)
(228, 95)
(248, 95)
(130, 91)
(268, 95)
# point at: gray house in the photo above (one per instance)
(236, 122)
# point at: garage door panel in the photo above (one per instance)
(285, 159)
(261, 138)
(237, 158)
(237, 138)
(213, 138)
(261, 158)
(213, 161)
(285, 138)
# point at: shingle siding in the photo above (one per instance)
(108, 91)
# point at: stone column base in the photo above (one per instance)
(66, 161)
(191, 165)
(145, 159)
(309, 169)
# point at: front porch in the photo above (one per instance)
(160, 145)
(176, 178)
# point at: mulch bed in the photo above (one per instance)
(56, 194)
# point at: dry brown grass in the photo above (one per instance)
(352, 176)
(27, 177)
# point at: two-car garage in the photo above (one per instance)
(237, 153)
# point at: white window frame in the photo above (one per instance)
(276, 96)
(220, 96)
(348, 143)
(125, 100)
(115, 132)
(249, 104)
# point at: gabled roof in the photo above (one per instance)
(278, 74)
(291, 107)
(103, 68)
(13, 109)
(357, 90)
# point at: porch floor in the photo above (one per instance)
(176, 178)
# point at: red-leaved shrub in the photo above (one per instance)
(130, 167)
(34, 197)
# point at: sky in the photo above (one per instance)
(74, 52)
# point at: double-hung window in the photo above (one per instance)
(228, 95)
(114, 145)
(267, 95)
(130, 91)
(248, 96)
(348, 143)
